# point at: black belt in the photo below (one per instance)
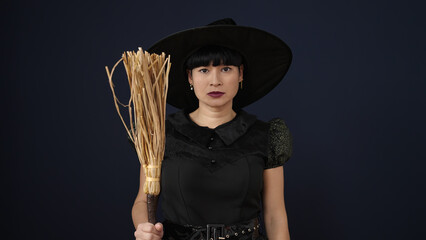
(244, 230)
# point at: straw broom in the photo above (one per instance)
(147, 75)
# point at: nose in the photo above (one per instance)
(215, 78)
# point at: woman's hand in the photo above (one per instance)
(149, 231)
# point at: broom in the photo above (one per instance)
(147, 75)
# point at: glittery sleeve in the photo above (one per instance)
(280, 144)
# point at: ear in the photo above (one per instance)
(189, 73)
(241, 73)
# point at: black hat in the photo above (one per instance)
(266, 58)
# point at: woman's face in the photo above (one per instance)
(216, 86)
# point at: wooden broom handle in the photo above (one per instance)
(152, 207)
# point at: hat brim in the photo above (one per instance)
(267, 60)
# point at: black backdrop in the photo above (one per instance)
(354, 100)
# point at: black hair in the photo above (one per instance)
(213, 54)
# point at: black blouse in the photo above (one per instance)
(216, 175)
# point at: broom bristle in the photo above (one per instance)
(148, 80)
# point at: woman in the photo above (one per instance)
(222, 167)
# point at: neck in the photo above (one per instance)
(212, 117)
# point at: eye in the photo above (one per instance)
(226, 69)
(203, 70)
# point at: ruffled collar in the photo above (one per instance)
(229, 132)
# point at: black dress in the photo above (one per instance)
(212, 176)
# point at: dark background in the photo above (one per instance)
(354, 99)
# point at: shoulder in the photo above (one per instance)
(275, 127)
(176, 120)
(278, 127)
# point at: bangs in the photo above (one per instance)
(216, 55)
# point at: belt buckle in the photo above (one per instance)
(215, 231)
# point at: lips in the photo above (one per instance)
(215, 94)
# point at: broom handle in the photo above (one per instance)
(152, 207)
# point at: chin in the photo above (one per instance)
(218, 105)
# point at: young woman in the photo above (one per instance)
(222, 166)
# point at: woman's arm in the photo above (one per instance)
(144, 229)
(139, 210)
(275, 215)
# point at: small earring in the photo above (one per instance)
(241, 84)
(191, 87)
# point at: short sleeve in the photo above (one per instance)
(280, 144)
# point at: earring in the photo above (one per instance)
(191, 87)
(241, 84)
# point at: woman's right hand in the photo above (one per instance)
(149, 231)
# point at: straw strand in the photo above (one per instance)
(148, 80)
